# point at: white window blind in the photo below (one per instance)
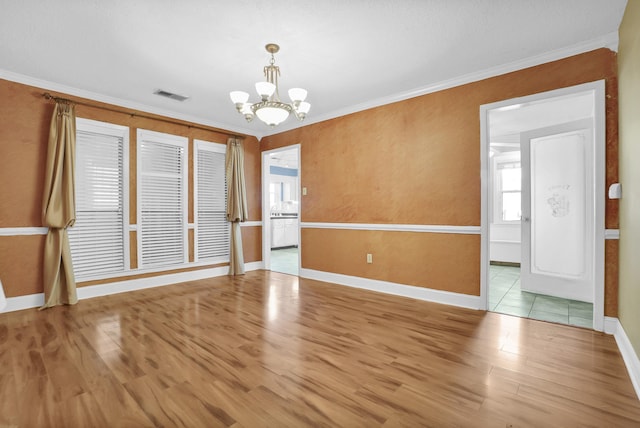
(211, 226)
(99, 239)
(162, 199)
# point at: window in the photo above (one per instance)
(211, 226)
(162, 199)
(508, 182)
(99, 239)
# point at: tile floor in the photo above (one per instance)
(506, 297)
(285, 260)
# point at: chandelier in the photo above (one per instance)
(270, 109)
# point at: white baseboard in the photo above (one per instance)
(631, 360)
(253, 266)
(24, 302)
(421, 293)
(36, 300)
(611, 325)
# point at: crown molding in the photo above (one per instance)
(609, 41)
(70, 90)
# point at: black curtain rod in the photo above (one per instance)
(48, 96)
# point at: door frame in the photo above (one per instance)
(599, 123)
(266, 212)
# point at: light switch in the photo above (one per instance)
(615, 191)
(304, 191)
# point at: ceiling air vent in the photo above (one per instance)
(171, 95)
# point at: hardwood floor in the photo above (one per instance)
(268, 349)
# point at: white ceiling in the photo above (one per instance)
(286, 158)
(349, 55)
(506, 123)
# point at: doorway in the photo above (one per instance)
(543, 206)
(281, 209)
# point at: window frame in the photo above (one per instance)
(217, 148)
(506, 158)
(122, 132)
(145, 135)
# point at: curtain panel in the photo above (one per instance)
(236, 202)
(58, 207)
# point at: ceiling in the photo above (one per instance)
(285, 158)
(349, 55)
(507, 123)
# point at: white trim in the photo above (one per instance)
(504, 241)
(259, 265)
(156, 269)
(430, 228)
(191, 225)
(23, 231)
(599, 120)
(37, 300)
(610, 325)
(24, 302)
(420, 293)
(609, 41)
(600, 160)
(256, 223)
(612, 234)
(627, 351)
(133, 228)
(154, 281)
(214, 147)
(82, 93)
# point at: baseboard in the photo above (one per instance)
(24, 302)
(611, 325)
(629, 355)
(253, 266)
(421, 293)
(36, 300)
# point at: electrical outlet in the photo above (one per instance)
(369, 258)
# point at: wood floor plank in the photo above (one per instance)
(269, 349)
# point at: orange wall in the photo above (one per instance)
(418, 162)
(24, 129)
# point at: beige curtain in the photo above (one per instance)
(236, 201)
(59, 207)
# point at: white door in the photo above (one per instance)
(558, 214)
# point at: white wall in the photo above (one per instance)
(505, 245)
